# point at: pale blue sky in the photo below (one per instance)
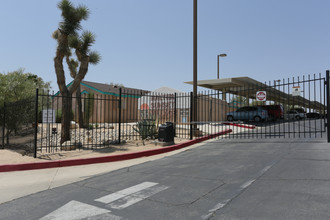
(147, 44)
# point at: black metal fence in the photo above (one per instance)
(99, 120)
(292, 108)
(287, 108)
(17, 127)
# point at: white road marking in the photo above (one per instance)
(215, 208)
(247, 183)
(106, 216)
(136, 197)
(125, 192)
(75, 210)
(242, 187)
(265, 169)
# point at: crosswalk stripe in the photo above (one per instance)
(125, 192)
(106, 216)
(136, 197)
(75, 210)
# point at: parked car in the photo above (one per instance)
(274, 111)
(295, 115)
(313, 115)
(300, 110)
(255, 113)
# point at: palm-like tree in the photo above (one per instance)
(69, 39)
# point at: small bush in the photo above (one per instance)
(91, 126)
(146, 128)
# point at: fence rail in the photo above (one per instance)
(102, 119)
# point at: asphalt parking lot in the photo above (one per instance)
(221, 179)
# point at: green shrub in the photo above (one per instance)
(91, 126)
(146, 128)
(88, 107)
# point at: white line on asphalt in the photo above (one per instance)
(136, 197)
(125, 192)
(242, 187)
(247, 183)
(106, 216)
(77, 210)
(265, 169)
(215, 208)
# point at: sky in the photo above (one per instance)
(147, 44)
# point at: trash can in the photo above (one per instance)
(166, 132)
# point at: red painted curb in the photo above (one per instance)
(104, 159)
(242, 126)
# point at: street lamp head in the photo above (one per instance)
(220, 55)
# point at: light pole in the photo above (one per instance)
(220, 55)
(194, 118)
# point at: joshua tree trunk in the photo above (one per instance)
(80, 114)
(66, 117)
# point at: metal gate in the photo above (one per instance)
(287, 108)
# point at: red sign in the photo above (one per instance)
(261, 96)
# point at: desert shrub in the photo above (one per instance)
(146, 128)
(88, 107)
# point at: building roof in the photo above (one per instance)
(166, 90)
(107, 89)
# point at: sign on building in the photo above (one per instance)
(261, 96)
(48, 116)
(296, 90)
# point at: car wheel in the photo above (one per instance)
(298, 117)
(230, 118)
(257, 118)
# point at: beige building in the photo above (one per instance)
(100, 103)
(165, 103)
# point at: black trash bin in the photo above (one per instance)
(166, 132)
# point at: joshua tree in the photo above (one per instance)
(68, 38)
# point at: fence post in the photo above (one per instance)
(4, 125)
(36, 123)
(191, 115)
(328, 106)
(119, 129)
(175, 114)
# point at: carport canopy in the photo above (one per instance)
(248, 87)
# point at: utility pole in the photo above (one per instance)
(194, 119)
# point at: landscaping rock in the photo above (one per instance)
(68, 145)
(74, 125)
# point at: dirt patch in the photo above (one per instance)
(16, 155)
